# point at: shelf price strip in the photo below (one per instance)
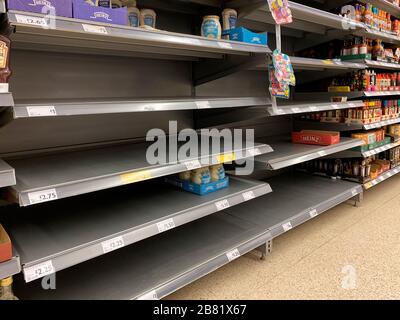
(42, 196)
(233, 254)
(38, 271)
(112, 244)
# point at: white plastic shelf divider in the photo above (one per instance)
(155, 267)
(297, 107)
(7, 175)
(75, 230)
(382, 177)
(161, 265)
(381, 124)
(297, 197)
(10, 267)
(56, 176)
(70, 108)
(288, 154)
(31, 28)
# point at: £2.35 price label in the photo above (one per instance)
(42, 196)
(112, 244)
(38, 271)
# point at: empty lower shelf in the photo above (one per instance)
(7, 175)
(156, 267)
(287, 153)
(10, 267)
(296, 198)
(64, 233)
(50, 177)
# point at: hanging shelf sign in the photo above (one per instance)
(283, 68)
(280, 11)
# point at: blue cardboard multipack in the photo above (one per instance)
(244, 35)
(82, 10)
(200, 189)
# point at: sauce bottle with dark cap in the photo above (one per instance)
(5, 71)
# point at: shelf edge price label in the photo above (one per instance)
(112, 244)
(38, 271)
(223, 204)
(191, 165)
(296, 110)
(133, 177)
(227, 157)
(249, 195)
(203, 105)
(42, 196)
(152, 295)
(165, 225)
(34, 21)
(313, 108)
(313, 213)
(224, 45)
(322, 153)
(41, 111)
(287, 226)
(94, 29)
(233, 254)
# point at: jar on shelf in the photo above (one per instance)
(148, 18)
(211, 27)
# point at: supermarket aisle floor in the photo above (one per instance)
(345, 253)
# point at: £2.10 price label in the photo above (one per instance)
(42, 196)
(112, 244)
(232, 255)
(165, 225)
(38, 271)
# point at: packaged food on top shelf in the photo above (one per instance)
(5, 245)
(229, 19)
(211, 27)
(316, 137)
(62, 8)
(148, 18)
(105, 14)
(133, 14)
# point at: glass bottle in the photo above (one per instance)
(6, 289)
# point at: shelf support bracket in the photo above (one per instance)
(265, 249)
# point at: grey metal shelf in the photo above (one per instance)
(49, 177)
(161, 265)
(296, 198)
(10, 267)
(69, 35)
(379, 64)
(7, 175)
(303, 107)
(288, 154)
(26, 109)
(72, 231)
(381, 178)
(156, 267)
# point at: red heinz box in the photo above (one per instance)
(321, 138)
(5, 245)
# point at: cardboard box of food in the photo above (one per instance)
(317, 137)
(5, 245)
(62, 8)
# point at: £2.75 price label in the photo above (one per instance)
(38, 271)
(42, 196)
(112, 244)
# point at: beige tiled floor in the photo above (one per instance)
(345, 253)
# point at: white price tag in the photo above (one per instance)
(42, 196)
(94, 29)
(248, 195)
(223, 204)
(321, 153)
(41, 111)
(225, 45)
(35, 21)
(287, 226)
(166, 225)
(313, 213)
(313, 108)
(191, 165)
(296, 110)
(203, 105)
(232, 255)
(152, 295)
(112, 244)
(354, 192)
(38, 271)
(254, 152)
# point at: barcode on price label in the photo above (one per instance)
(42, 196)
(287, 226)
(223, 204)
(313, 213)
(35, 21)
(112, 244)
(41, 111)
(152, 295)
(248, 195)
(191, 165)
(38, 271)
(166, 225)
(94, 29)
(203, 105)
(232, 255)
